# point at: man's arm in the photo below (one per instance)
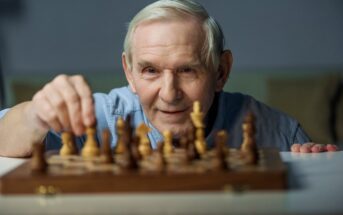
(18, 131)
(65, 103)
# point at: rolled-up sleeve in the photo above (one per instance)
(3, 112)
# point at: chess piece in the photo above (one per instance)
(249, 148)
(38, 162)
(160, 161)
(200, 143)
(120, 146)
(106, 147)
(144, 147)
(130, 160)
(68, 147)
(167, 144)
(131, 154)
(127, 133)
(134, 148)
(197, 116)
(197, 119)
(220, 155)
(183, 142)
(90, 148)
(248, 129)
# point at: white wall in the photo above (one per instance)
(55, 36)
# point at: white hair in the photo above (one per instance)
(171, 9)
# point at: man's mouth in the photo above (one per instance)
(173, 112)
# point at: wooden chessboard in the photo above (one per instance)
(75, 175)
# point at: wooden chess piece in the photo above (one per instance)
(106, 147)
(134, 148)
(200, 143)
(131, 153)
(144, 147)
(38, 162)
(127, 134)
(130, 160)
(68, 147)
(120, 146)
(248, 129)
(249, 148)
(160, 161)
(90, 148)
(167, 144)
(183, 142)
(220, 146)
(197, 118)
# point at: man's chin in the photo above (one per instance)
(177, 130)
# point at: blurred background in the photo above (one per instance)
(288, 54)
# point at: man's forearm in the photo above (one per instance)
(18, 132)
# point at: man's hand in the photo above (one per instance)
(66, 103)
(313, 148)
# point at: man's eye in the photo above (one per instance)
(186, 70)
(149, 72)
(187, 73)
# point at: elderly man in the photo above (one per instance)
(173, 55)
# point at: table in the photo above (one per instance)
(315, 188)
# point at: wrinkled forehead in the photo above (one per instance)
(187, 33)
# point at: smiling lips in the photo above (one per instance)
(173, 112)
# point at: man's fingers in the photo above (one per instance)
(316, 148)
(46, 112)
(295, 147)
(72, 100)
(56, 101)
(87, 104)
(313, 148)
(306, 147)
(331, 148)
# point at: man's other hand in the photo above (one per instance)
(313, 148)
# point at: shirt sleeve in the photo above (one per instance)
(300, 136)
(3, 112)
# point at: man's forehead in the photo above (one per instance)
(168, 32)
(172, 44)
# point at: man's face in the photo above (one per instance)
(167, 73)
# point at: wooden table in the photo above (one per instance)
(315, 188)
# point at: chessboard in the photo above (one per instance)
(133, 166)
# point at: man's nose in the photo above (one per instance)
(170, 91)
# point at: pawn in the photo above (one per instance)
(144, 144)
(90, 149)
(68, 147)
(120, 146)
(183, 142)
(106, 147)
(248, 128)
(167, 144)
(160, 162)
(38, 162)
(191, 152)
(220, 155)
(134, 149)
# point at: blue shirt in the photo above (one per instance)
(273, 128)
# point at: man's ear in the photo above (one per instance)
(224, 69)
(128, 72)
